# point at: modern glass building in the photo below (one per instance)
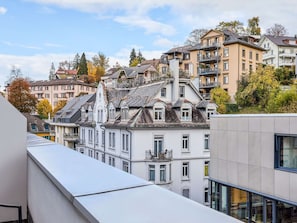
(253, 167)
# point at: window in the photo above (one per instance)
(56, 95)
(111, 113)
(103, 158)
(251, 55)
(151, 172)
(46, 127)
(226, 52)
(251, 68)
(257, 57)
(33, 127)
(103, 138)
(186, 56)
(225, 79)
(126, 166)
(186, 193)
(164, 70)
(124, 113)
(100, 115)
(206, 163)
(125, 142)
(186, 114)
(162, 173)
(163, 92)
(185, 170)
(186, 67)
(111, 140)
(90, 136)
(243, 53)
(185, 143)
(90, 153)
(97, 155)
(206, 141)
(158, 114)
(243, 66)
(226, 65)
(47, 96)
(56, 87)
(97, 137)
(111, 161)
(170, 172)
(158, 145)
(286, 152)
(181, 91)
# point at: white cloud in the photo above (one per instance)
(2, 10)
(164, 43)
(21, 45)
(148, 24)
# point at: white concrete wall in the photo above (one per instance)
(13, 161)
(242, 153)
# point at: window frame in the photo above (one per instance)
(278, 152)
(185, 170)
(151, 173)
(185, 143)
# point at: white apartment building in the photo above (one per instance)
(280, 50)
(158, 131)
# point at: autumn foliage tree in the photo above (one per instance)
(19, 96)
(221, 98)
(44, 108)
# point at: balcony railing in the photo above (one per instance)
(71, 137)
(164, 155)
(208, 71)
(210, 46)
(209, 85)
(209, 59)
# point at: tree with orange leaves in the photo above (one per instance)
(20, 97)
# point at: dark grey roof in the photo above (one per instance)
(59, 82)
(131, 72)
(115, 95)
(40, 124)
(180, 49)
(70, 113)
(282, 40)
(231, 38)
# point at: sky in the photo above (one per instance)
(36, 33)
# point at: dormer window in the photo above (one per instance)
(124, 113)
(46, 127)
(186, 114)
(112, 113)
(33, 127)
(158, 114)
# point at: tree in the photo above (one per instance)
(14, 74)
(82, 67)
(284, 75)
(140, 57)
(76, 61)
(220, 97)
(234, 26)
(132, 56)
(253, 26)
(277, 30)
(59, 106)
(44, 109)
(20, 97)
(284, 102)
(101, 63)
(194, 36)
(261, 86)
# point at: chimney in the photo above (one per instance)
(174, 70)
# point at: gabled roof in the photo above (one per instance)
(69, 112)
(180, 49)
(34, 119)
(282, 40)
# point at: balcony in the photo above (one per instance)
(268, 56)
(208, 71)
(184, 74)
(71, 137)
(209, 85)
(161, 156)
(209, 59)
(211, 46)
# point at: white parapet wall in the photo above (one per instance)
(13, 162)
(66, 186)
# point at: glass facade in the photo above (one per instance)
(250, 207)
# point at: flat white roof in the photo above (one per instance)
(106, 194)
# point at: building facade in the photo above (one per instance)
(253, 167)
(57, 90)
(224, 58)
(158, 131)
(280, 51)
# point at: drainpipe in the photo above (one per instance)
(130, 133)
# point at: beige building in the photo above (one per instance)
(57, 90)
(223, 58)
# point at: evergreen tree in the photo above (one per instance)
(132, 56)
(140, 57)
(76, 60)
(83, 66)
